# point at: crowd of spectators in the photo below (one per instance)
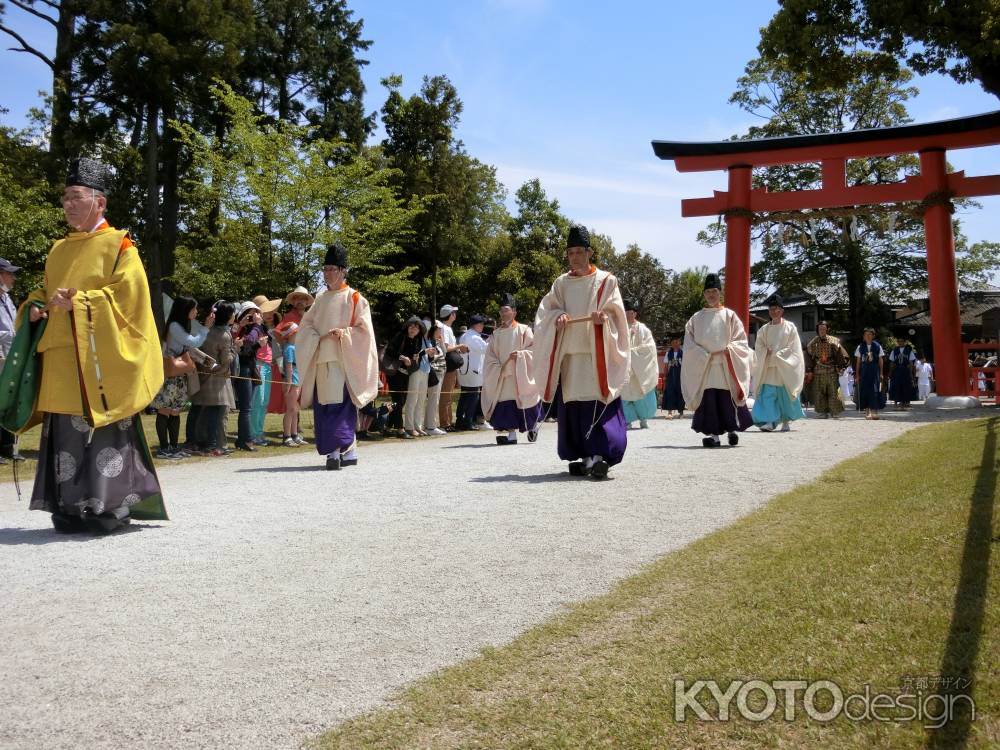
(240, 356)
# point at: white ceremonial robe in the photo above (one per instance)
(644, 370)
(327, 364)
(716, 355)
(588, 362)
(785, 365)
(505, 379)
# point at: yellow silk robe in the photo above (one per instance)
(102, 360)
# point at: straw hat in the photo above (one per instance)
(299, 291)
(266, 305)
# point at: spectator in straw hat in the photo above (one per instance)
(299, 300)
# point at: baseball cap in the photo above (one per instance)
(6, 265)
(446, 310)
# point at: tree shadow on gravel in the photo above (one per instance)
(532, 478)
(311, 467)
(684, 447)
(20, 536)
(473, 445)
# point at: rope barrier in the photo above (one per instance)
(282, 382)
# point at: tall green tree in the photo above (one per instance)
(303, 65)
(62, 16)
(461, 196)
(143, 64)
(818, 38)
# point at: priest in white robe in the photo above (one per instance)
(510, 398)
(715, 378)
(639, 393)
(581, 357)
(338, 362)
(779, 371)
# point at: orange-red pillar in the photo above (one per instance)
(737, 290)
(946, 322)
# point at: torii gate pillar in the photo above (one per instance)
(942, 281)
(737, 292)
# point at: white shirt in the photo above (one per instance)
(470, 374)
(447, 335)
(924, 372)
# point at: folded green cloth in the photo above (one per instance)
(21, 378)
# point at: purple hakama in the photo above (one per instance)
(717, 414)
(335, 424)
(607, 438)
(507, 416)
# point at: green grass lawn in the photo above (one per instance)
(879, 573)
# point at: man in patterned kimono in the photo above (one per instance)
(716, 373)
(510, 400)
(338, 363)
(826, 359)
(581, 356)
(94, 466)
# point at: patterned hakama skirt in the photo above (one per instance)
(99, 471)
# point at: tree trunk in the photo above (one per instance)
(151, 241)
(856, 284)
(171, 200)
(60, 142)
(216, 209)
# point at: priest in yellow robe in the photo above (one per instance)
(101, 366)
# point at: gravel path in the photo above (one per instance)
(281, 599)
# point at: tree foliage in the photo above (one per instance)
(266, 168)
(819, 38)
(29, 218)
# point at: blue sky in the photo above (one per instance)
(573, 93)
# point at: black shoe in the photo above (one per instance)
(348, 462)
(247, 448)
(504, 440)
(600, 469)
(709, 442)
(734, 439)
(578, 469)
(65, 524)
(532, 436)
(105, 523)
(333, 464)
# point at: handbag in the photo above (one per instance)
(21, 378)
(432, 379)
(174, 366)
(453, 360)
(390, 366)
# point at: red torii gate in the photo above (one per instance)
(934, 188)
